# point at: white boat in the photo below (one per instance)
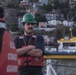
(66, 50)
(67, 44)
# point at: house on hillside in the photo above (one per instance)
(43, 2)
(54, 17)
(42, 24)
(68, 23)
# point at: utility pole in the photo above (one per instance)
(71, 32)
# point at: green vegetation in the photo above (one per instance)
(14, 27)
(33, 0)
(40, 17)
(64, 7)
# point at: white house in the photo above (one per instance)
(54, 15)
(72, 2)
(68, 23)
(42, 24)
(43, 2)
(54, 22)
(26, 3)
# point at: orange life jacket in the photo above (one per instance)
(26, 60)
(8, 55)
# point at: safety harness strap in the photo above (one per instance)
(1, 36)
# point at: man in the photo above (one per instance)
(29, 48)
(8, 56)
(2, 25)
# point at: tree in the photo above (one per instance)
(56, 4)
(33, 0)
(47, 7)
(40, 18)
(74, 30)
(65, 9)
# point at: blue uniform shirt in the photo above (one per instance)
(39, 45)
(39, 42)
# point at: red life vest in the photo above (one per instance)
(8, 56)
(30, 60)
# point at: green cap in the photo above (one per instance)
(28, 18)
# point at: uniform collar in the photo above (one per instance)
(2, 25)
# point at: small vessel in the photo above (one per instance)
(67, 44)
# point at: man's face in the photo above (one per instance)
(28, 28)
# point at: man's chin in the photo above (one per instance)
(29, 33)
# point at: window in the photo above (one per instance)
(66, 45)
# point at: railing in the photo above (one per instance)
(56, 55)
(49, 68)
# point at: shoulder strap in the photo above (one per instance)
(33, 40)
(1, 37)
(21, 40)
